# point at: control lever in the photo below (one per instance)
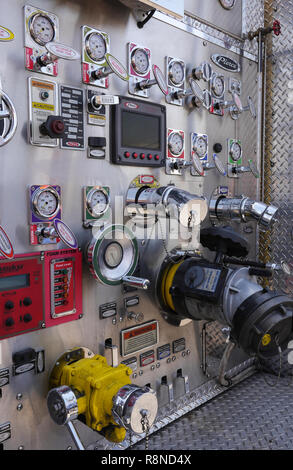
(204, 72)
(113, 66)
(234, 110)
(136, 316)
(235, 103)
(6, 248)
(158, 80)
(251, 168)
(164, 383)
(195, 163)
(114, 362)
(198, 97)
(59, 230)
(137, 282)
(55, 51)
(9, 114)
(185, 380)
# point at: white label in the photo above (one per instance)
(5, 34)
(62, 51)
(5, 245)
(117, 67)
(65, 233)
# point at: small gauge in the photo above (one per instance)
(218, 85)
(176, 72)
(235, 151)
(42, 29)
(46, 202)
(140, 61)
(175, 143)
(97, 202)
(200, 146)
(113, 255)
(96, 46)
(228, 4)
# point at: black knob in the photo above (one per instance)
(27, 301)
(54, 127)
(9, 305)
(224, 240)
(27, 318)
(9, 321)
(97, 142)
(218, 147)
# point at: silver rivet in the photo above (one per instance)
(19, 407)
(134, 375)
(168, 360)
(19, 396)
(152, 367)
(173, 358)
(20, 447)
(158, 365)
(188, 352)
(140, 372)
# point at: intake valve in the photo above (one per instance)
(54, 127)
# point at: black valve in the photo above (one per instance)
(54, 127)
(224, 240)
(218, 147)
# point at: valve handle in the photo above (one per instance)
(137, 282)
(9, 114)
(277, 28)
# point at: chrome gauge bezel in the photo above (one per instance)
(232, 151)
(88, 201)
(88, 49)
(133, 64)
(35, 198)
(170, 137)
(213, 88)
(31, 28)
(106, 259)
(171, 75)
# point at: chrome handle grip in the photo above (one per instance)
(137, 282)
(9, 114)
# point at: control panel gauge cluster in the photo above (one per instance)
(41, 28)
(95, 46)
(96, 204)
(175, 152)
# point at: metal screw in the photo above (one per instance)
(158, 365)
(183, 354)
(168, 360)
(19, 407)
(188, 352)
(140, 372)
(114, 321)
(142, 242)
(134, 375)
(204, 43)
(20, 447)
(69, 448)
(152, 367)
(19, 396)
(173, 358)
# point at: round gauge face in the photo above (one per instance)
(235, 151)
(175, 143)
(176, 73)
(97, 202)
(113, 255)
(228, 4)
(46, 203)
(140, 61)
(42, 29)
(200, 146)
(194, 277)
(218, 85)
(96, 46)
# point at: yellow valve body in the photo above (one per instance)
(94, 383)
(167, 282)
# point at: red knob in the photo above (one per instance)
(277, 27)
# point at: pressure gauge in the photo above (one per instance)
(175, 143)
(228, 4)
(42, 29)
(176, 72)
(235, 151)
(96, 46)
(218, 85)
(140, 61)
(113, 255)
(97, 202)
(200, 146)
(46, 202)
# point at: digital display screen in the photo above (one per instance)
(140, 131)
(14, 282)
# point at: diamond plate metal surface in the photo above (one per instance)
(252, 415)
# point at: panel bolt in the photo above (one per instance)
(19, 396)
(19, 407)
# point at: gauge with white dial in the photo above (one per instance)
(200, 146)
(96, 46)
(175, 143)
(235, 151)
(113, 254)
(46, 202)
(42, 29)
(140, 61)
(176, 72)
(218, 85)
(228, 4)
(97, 201)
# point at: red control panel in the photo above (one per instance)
(38, 290)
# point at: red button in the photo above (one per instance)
(157, 157)
(126, 154)
(134, 155)
(142, 156)
(150, 156)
